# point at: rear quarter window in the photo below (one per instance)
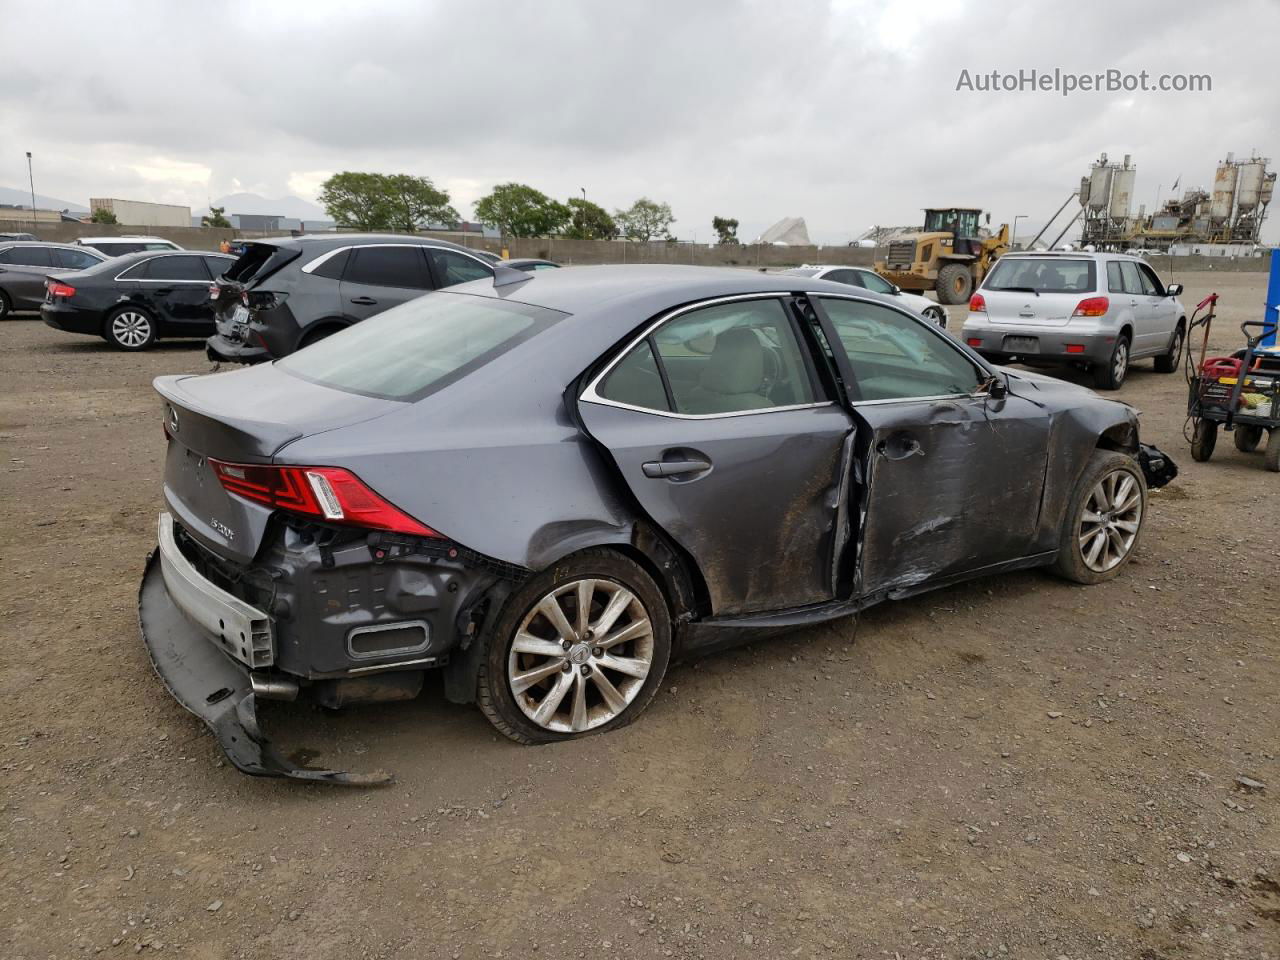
(1043, 275)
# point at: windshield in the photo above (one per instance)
(420, 346)
(1042, 275)
(962, 223)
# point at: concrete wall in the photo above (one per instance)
(593, 251)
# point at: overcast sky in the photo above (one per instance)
(845, 113)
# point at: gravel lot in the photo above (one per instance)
(1016, 767)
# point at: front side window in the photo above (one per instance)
(843, 276)
(728, 358)
(1151, 284)
(411, 350)
(875, 283)
(387, 267)
(1042, 275)
(454, 268)
(895, 357)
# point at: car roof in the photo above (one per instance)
(328, 241)
(1068, 255)
(126, 237)
(39, 243)
(626, 291)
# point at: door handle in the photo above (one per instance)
(657, 469)
(364, 301)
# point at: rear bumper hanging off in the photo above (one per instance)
(215, 688)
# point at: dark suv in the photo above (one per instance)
(288, 292)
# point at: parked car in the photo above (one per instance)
(1098, 311)
(133, 300)
(870, 280)
(547, 487)
(530, 264)
(24, 265)
(285, 293)
(119, 246)
(18, 236)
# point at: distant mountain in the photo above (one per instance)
(290, 206)
(11, 195)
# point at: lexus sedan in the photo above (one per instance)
(548, 485)
(133, 300)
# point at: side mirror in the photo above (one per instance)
(1173, 290)
(896, 289)
(997, 389)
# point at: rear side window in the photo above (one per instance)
(453, 268)
(1115, 280)
(1043, 275)
(333, 266)
(418, 347)
(28, 257)
(636, 381)
(178, 268)
(1132, 281)
(74, 259)
(387, 267)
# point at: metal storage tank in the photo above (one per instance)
(1122, 192)
(1100, 184)
(1224, 190)
(1249, 184)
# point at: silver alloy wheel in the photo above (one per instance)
(1110, 521)
(937, 315)
(1176, 353)
(580, 655)
(1120, 361)
(130, 328)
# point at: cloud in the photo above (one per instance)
(845, 113)
(306, 183)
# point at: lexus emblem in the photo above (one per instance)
(173, 420)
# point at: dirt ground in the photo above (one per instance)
(1016, 767)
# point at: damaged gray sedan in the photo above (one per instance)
(548, 486)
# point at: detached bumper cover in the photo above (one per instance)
(1157, 466)
(220, 348)
(214, 687)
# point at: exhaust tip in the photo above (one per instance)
(267, 687)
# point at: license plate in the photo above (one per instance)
(1022, 344)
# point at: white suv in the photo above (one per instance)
(1100, 311)
(119, 246)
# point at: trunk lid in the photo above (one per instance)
(258, 262)
(241, 417)
(1027, 309)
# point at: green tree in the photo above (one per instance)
(358, 200)
(416, 202)
(519, 210)
(103, 215)
(726, 230)
(589, 221)
(215, 218)
(644, 220)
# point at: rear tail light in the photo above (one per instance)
(213, 291)
(977, 303)
(1092, 307)
(325, 493)
(57, 289)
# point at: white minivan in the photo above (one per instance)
(1100, 311)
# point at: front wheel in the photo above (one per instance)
(1103, 522)
(1110, 375)
(936, 315)
(130, 328)
(581, 648)
(1203, 439)
(1170, 361)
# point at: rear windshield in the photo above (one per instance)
(420, 346)
(1043, 275)
(259, 261)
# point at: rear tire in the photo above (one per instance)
(955, 283)
(130, 328)
(1103, 522)
(1271, 459)
(1111, 375)
(567, 681)
(1203, 440)
(1247, 438)
(6, 306)
(1169, 362)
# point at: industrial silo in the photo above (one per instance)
(1224, 189)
